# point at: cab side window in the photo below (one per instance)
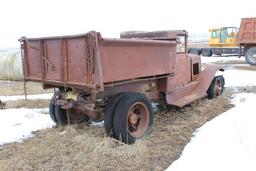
(181, 44)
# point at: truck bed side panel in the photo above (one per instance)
(89, 61)
(123, 59)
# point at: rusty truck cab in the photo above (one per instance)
(187, 66)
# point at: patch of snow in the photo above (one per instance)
(235, 78)
(18, 124)
(99, 124)
(22, 97)
(227, 142)
(218, 58)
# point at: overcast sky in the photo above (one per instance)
(32, 18)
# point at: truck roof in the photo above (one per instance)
(157, 35)
(220, 28)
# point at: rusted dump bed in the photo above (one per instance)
(90, 61)
(247, 32)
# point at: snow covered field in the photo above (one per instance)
(218, 58)
(234, 78)
(18, 124)
(228, 142)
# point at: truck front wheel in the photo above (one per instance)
(216, 87)
(250, 56)
(133, 118)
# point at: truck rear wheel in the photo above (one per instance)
(52, 110)
(52, 107)
(70, 116)
(207, 52)
(216, 87)
(250, 56)
(61, 115)
(109, 112)
(133, 118)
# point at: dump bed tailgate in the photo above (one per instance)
(247, 31)
(58, 60)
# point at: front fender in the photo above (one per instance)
(206, 76)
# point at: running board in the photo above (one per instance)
(183, 94)
(187, 99)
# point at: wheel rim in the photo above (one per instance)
(252, 57)
(138, 119)
(218, 88)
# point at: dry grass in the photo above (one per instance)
(70, 148)
(8, 88)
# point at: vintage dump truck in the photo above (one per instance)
(116, 80)
(247, 39)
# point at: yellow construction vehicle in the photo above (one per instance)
(222, 40)
(223, 37)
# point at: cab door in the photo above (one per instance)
(183, 68)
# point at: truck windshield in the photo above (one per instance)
(215, 34)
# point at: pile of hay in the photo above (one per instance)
(10, 65)
(2, 105)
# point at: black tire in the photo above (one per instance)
(250, 56)
(52, 110)
(52, 107)
(109, 113)
(206, 52)
(142, 118)
(216, 87)
(194, 51)
(61, 115)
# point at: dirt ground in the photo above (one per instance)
(30, 104)
(16, 88)
(73, 148)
